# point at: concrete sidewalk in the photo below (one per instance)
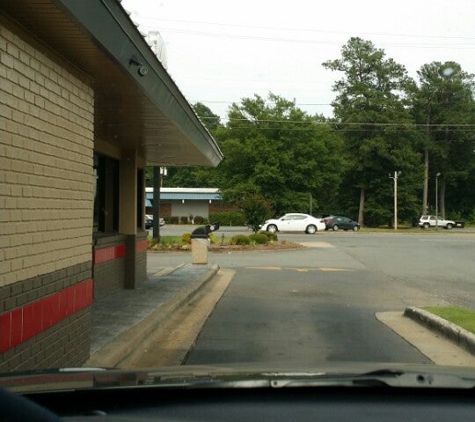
(123, 320)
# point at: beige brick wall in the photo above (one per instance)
(46, 153)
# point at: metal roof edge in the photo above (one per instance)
(107, 21)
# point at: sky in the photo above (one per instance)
(219, 51)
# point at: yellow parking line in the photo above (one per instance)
(300, 270)
(334, 269)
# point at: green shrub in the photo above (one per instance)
(186, 238)
(170, 240)
(240, 239)
(213, 239)
(183, 220)
(259, 238)
(152, 241)
(199, 220)
(229, 218)
(272, 237)
(174, 219)
(468, 217)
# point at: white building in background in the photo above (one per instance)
(157, 44)
(185, 202)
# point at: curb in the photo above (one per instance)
(124, 347)
(452, 332)
(166, 271)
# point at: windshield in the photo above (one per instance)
(265, 186)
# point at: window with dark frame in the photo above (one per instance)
(106, 198)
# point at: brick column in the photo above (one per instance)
(128, 213)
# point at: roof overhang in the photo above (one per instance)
(200, 194)
(141, 110)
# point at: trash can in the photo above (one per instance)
(199, 248)
(200, 242)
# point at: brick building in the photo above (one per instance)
(85, 106)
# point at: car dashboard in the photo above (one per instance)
(378, 403)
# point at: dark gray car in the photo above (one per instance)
(337, 222)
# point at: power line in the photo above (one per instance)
(265, 102)
(283, 129)
(333, 123)
(310, 30)
(306, 41)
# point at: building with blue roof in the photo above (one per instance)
(181, 203)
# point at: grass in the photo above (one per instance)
(166, 243)
(170, 240)
(412, 230)
(386, 229)
(401, 230)
(462, 317)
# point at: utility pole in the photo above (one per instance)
(395, 177)
(156, 202)
(437, 201)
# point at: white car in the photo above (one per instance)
(427, 221)
(149, 221)
(294, 222)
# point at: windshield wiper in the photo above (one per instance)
(382, 377)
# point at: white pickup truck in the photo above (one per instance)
(427, 221)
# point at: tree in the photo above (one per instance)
(278, 151)
(148, 175)
(256, 210)
(272, 149)
(372, 114)
(210, 120)
(444, 107)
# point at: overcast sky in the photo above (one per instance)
(220, 51)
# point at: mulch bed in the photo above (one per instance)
(275, 246)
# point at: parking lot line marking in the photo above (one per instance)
(335, 269)
(317, 244)
(300, 270)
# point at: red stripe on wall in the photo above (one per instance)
(23, 323)
(142, 245)
(108, 254)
